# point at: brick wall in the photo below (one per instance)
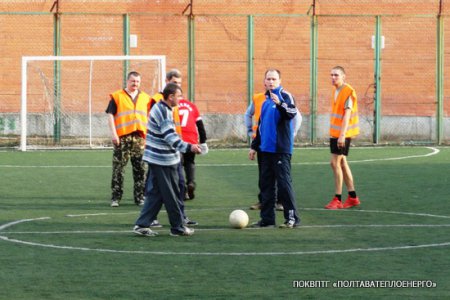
(282, 40)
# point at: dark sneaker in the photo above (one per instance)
(189, 222)
(114, 203)
(155, 224)
(184, 231)
(144, 231)
(261, 224)
(289, 224)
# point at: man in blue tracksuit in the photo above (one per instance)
(274, 140)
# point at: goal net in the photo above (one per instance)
(64, 98)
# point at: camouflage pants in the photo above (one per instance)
(131, 147)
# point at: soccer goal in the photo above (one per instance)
(64, 98)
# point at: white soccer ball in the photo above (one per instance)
(238, 219)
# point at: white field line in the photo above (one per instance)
(159, 230)
(227, 253)
(332, 251)
(434, 151)
(300, 209)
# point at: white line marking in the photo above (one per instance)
(434, 151)
(229, 228)
(21, 221)
(445, 244)
(379, 211)
(227, 253)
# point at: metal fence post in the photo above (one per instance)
(377, 75)
(126, 46)
(313, 80)
(440, 80)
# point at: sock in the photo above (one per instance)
(352, 194)
(339, 197)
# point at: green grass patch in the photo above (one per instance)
(60, 239)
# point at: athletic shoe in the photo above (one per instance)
(350, 202)
(190, 190)
(279, 206)
(334, 204)
(256, 206)
(289, 224)
(144, 231)
(261, 224)
(184, 231)
(189, 222)
(114, 203)
(139, 202)
(155, 224)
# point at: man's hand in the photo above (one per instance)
(251, 154)
(196, 149)
(115, 140)
(341, 141)
(275, 98)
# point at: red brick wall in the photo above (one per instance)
(283, 41)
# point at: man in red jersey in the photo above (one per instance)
(192, 129)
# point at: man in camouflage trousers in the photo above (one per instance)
(128, 112)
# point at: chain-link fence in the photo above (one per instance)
(224, 47)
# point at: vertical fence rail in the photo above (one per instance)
(377, 77)
(191, 57)
(57, 78)
(440, 81)
(126, 46)
(313, 80)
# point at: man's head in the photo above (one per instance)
(133, 81)
(272, 79)
(173, 76)
(172, 93)
(337, 76)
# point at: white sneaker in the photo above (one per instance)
(114, 203)
(185, 231)
(143, 231)
(155, 224)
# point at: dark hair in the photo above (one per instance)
(133, 73)
(273, 70)
(340, 69)
(173, 73)
(170, 89)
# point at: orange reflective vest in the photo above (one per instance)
(258, 100)
(131, 116)
(176, 114)
(337, 112)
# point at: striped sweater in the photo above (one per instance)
(162, 144)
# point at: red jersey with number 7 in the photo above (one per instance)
(189, 115)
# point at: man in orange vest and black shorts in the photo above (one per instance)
(128, 110)
(343, 127)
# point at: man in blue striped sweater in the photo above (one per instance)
(162, 153)
(274, 142)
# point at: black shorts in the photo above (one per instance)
(340, 151)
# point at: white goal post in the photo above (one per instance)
(74, 86)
